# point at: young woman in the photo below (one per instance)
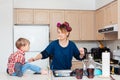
(62, 50)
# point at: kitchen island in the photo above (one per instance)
(100, 77)
(116, 77)
(29, 76)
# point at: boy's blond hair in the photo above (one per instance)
(22, 42)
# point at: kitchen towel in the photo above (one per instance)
(106, 64)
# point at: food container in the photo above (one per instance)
(97, 72)
(62, 73)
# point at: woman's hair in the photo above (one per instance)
(64, 26)
(22, 42)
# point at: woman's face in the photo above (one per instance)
(62, 34)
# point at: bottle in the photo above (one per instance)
(90, 67)
(84, 67)
(91, 63)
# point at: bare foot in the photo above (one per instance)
(44, 72)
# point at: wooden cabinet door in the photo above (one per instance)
(55, 17)
(119, 18)
(72, 17)
(99, 23)
(111, 17)
(111, 14)
(41, 16)
(114, 13)
(23, 16)
(107, 17)
(87, 24)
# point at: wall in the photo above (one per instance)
(56, 4)
(87, 44)
(100, 3)
(61, 4)
(6, 23)
(112, 44)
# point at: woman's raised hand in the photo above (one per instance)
(82, 52)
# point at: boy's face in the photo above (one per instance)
(26, 47)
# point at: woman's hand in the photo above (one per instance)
(39, 56)
(82, 52)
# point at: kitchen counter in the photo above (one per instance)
(116, 77)
(30, 76)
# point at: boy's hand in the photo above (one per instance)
(82, 52)
(31, 60)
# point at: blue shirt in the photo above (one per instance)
(62, 56)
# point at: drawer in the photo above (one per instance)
(76, 64)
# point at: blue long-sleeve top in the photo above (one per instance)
(62, 56)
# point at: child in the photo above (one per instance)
(16, 63)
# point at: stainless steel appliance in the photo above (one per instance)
(108, 29)
(97, 52)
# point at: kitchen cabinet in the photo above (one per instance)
(105, 16)
(111, 13)
(111, 36)
(111, 17)
(23, 16)
(87, 25)
(55, 17)
(41, 16)
(72, 17)
(99, 23)
(82, 23)
(31, 16)
(118, 19)
(75, 18)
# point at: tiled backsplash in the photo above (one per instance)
(90, 44)
(87, 44)
(112, 44)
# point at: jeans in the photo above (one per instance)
(22, 69)
(31, 67)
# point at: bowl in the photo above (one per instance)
(97, 72)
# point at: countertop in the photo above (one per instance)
(116, 77)
(30, 76)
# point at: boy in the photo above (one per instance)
(16, 63)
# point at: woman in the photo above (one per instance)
(61, 49)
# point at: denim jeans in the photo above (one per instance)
(31, 67)
(26, 66)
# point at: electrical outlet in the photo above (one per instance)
(118, 47)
